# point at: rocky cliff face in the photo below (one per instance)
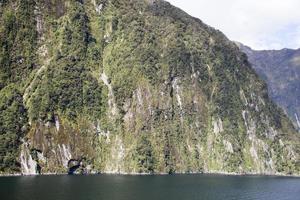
(131, 87)
(281, 70)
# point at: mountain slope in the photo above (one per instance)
(132, 87)
(281, 70)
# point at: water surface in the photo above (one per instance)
(177, 187)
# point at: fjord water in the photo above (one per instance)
(177, 187)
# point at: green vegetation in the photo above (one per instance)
(18, 41)
(13, 122)
(179, 97)
(68, 86)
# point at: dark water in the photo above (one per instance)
(177, 187)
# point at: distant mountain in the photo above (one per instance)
(281, 70)
(131, 86)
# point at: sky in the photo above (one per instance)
(260, 24)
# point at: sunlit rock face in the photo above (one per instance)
(28, 165)
(133, 87)
(281, 70)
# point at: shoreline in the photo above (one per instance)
(154, 174)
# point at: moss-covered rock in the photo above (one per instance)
(140, 87)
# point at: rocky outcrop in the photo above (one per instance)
(142, 87)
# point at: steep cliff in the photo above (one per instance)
(281, 70)
(135, 86)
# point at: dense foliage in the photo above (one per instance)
(13, 122)
(18, 41)
(132, 86)
(68, 86)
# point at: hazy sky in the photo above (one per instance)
(261, 24)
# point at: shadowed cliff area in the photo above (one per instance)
(281, 70)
